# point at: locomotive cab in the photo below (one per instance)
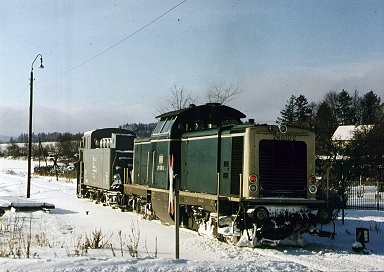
(154, 155)
(158, 158)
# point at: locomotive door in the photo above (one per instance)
(199, 164)
(159, 162)
(231, 164)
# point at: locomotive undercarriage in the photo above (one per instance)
(259, 225)
(141, 206)
(118, 199)
(241, 223)
(113, 198)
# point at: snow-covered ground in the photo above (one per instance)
(57, 238)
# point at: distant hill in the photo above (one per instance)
(4, 139)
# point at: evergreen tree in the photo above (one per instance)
(296, 112)
(302, 112)
(368, 149)
(325, 124)
(370, 108)
(288, 114)
(345, 113)
(356, 106)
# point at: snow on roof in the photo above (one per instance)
(8, 202)
(346, 133)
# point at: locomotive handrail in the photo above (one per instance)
(147, 172)
(153, 167)
(241, 186)
(218, 200)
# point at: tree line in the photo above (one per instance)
(323, 118)
(59, 145)
(140, 129)
(44, 145)
(360, 158)
(45, 137)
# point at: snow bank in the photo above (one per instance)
(65, 228)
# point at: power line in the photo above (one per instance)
(123, 40)
(11, 107)
(99, 54)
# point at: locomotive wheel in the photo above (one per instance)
(103, 199)
(261, 215)
(138, 207)
(325, 216)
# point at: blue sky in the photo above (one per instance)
(98, 73)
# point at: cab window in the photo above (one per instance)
(164, 126)
(168, 125)
(159, 127)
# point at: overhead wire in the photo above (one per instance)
(104, 51)
(123, 40)
(10, 108)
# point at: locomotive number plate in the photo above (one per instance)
(284, 137)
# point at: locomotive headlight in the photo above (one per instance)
(253, 188)
(283, 128)
(312, 189)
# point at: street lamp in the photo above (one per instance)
(30, 125)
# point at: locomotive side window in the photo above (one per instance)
(168, 125)
(199, 124)
(164, 126)
(159, 127)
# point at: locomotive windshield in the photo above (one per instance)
(159, 127)
(164, 126)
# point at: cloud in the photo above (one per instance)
(361, 76)
(264, 96)
(267, 94)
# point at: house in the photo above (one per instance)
(345, 134)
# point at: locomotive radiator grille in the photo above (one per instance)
(283, 167)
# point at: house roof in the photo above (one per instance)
(346, 133)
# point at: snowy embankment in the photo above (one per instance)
(57, 239)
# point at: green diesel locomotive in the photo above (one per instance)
(244, 183)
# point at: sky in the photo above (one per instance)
(108, 63)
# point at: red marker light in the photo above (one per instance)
(312, 179)
(252, 178)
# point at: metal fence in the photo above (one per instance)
(365, 196)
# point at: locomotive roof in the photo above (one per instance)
(106, 132)
(224, 111)
(173, 124)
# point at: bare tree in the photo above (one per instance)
(223, 93)
(179, 99)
